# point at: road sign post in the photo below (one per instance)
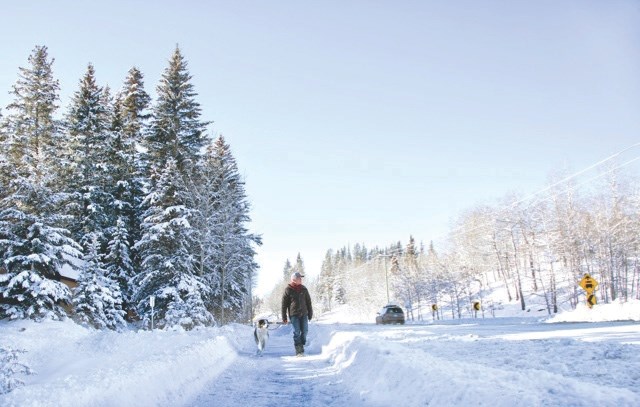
(476, 308)
(589, 284)
(152, 302)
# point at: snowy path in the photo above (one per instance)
(276, 377)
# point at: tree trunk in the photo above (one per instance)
(516, 283)
(554, 298)
(546, 295)
(533, 274)
(518, 279)
(635, 281)
(612, 271)
(501, 269)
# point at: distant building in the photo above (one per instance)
(69, 275)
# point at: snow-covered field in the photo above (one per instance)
(512, 361)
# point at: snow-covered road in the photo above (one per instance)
(498, 362)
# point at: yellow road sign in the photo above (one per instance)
(476, 305)
(434, 307)
(588, 284)
(591, 300)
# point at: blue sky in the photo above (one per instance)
(367, 121)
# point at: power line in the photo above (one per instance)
(566, 179)
(596, 177)
(611, 157)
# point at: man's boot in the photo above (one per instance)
(299, 350)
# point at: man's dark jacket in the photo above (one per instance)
(296, 301)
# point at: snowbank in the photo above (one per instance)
(79, 366)
(615, 311)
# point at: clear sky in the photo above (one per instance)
(367, 121)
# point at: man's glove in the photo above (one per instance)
(309, 317)
(284, 321)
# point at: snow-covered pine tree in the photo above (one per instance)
(168, 265)
(134, 119)
(324, 287)
(3, 155)
(97, 299)
(287, 270)
(33, 254)
(31, 130)
(167, 248)
(118, 263)
(89, 121)
(231, 273)
(33, 246)
(176, 131)
(126, 188)
(339, 282)
(5, 167)
(299, 266)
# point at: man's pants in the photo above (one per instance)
(300, 329)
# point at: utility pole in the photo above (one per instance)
(152, 302)
(386, 271)
(386, 275)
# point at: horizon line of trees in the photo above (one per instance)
(541, 248)
(130, 192)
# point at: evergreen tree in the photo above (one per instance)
(33, 245)
(89, 121)
(168, 265)
(326, 282)
(5, 167)
(33, 254)
(411, 252)
(169, 253)
(176, 131)
(231, 271)
(126, 188)
(340, 265)
(31, 132)
(118, 261)
(97, 299)
(287, 271)
(299, 267)
(132, 121)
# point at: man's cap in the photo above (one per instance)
(296, 275)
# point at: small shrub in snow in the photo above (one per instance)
(10, 367)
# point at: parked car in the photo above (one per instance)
(390, 314)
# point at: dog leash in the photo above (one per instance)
(278, 325)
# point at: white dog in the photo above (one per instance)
(261, 334)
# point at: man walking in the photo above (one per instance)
(296, 302)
